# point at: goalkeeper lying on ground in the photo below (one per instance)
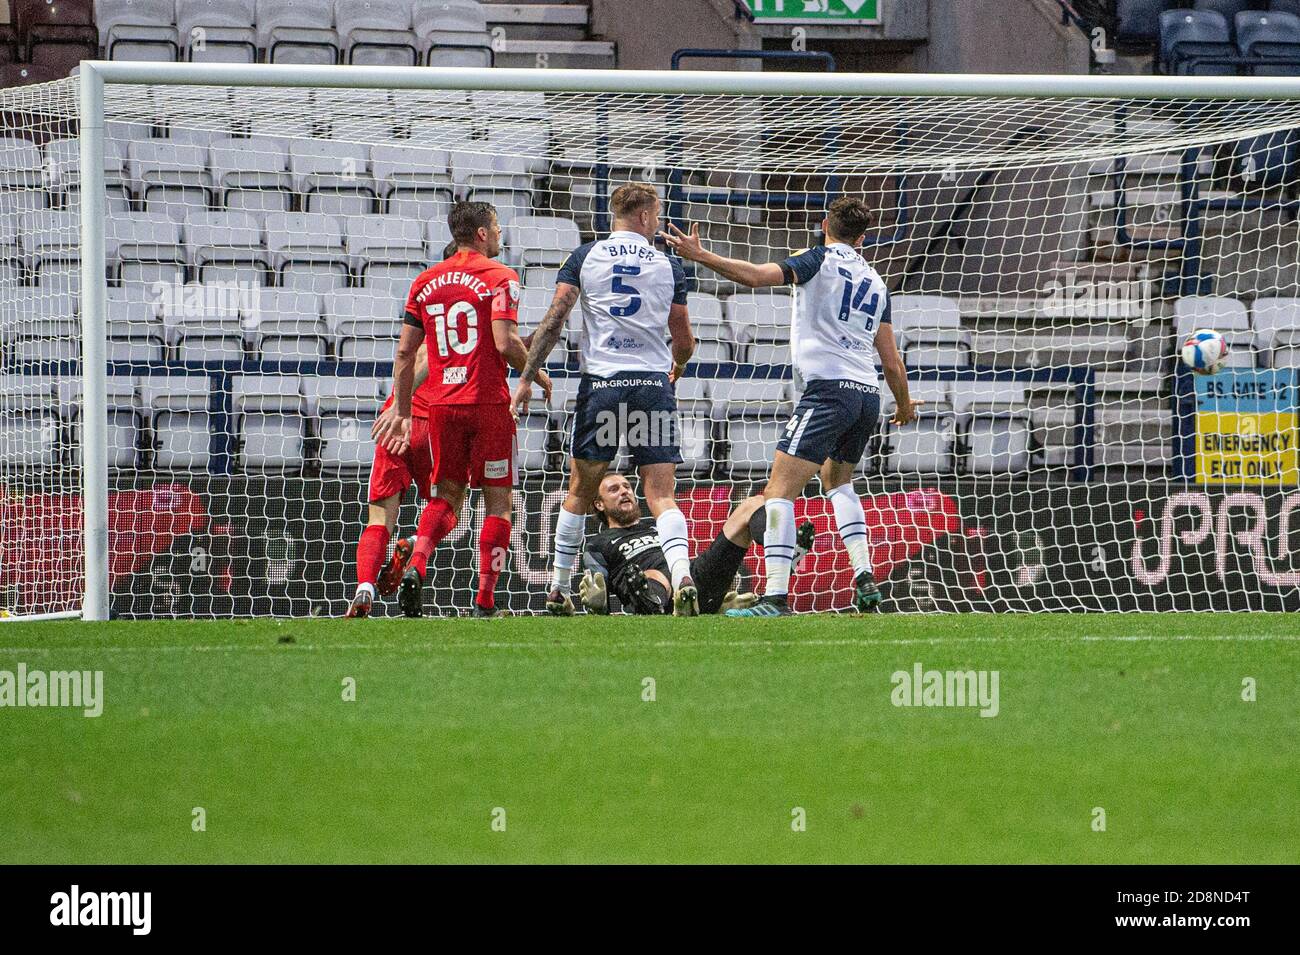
(625, 557)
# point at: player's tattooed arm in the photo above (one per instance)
(544, 339)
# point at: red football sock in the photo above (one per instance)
(436, 521)
(493, 546)
(370, 553)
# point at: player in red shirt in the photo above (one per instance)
(390, 476)
(465, 310)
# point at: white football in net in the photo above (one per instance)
(1205, 351)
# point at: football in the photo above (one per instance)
(1205, 351)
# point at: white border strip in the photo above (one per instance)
(31, 618)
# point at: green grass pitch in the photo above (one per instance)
(1140, 715)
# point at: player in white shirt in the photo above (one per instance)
(633, 297)
(841, 324)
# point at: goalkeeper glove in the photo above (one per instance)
(593, 593)
(735, 601)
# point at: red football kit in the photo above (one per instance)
(471, 431)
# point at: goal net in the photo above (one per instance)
(1045, 257)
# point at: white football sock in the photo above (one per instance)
(852, 523)
(674, 542)
(568, 544)
(778, 546)
(366, 588)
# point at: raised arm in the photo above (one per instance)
(749, 274)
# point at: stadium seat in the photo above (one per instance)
(452, 33)
(540, 276)
(1138, 21)
(52, 245)
(763, 344)
(251, 175)
(1186, 35)
(929, 331)
(298, 32)
(377, 33)
(141, 30)
(758, 310)
(697, 425)
(344, 410)
(753, 413)
(1227, 316)
(437, 237)
(1268, 160)
(135, 332)
(217, 31)
(368, 348)
(1132, 434)
(541, 240)
(307, 251)
(413, 181)
(355, 312)
(704, 309)
(271, 415)
(177, 408)
(29, 422)
(125, 420)
(927, 445)
(994, 421)
(527, 139)
(227, 247)
(58, 35)
(169, 178)
(1276, 322)
(387, 253)
(333, 177)
(62, 163)
(535, 436)
(10, 47)
(1270, 34)
(20, 163)
(286, 325)
(1227, 8)
(203, 323)
(147, 248)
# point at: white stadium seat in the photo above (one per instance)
(298, 32)
(377, 32)
(217, 31)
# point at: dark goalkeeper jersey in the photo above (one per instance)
(616, 550)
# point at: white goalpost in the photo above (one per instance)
(203, 268)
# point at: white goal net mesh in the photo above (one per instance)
(1045, 257)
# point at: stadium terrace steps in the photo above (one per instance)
(556, 54)
(539, 21)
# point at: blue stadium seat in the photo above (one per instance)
(1268, 160)
(1229, 8)
(1139, 20)
(1270, 34)
(1188, 34)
